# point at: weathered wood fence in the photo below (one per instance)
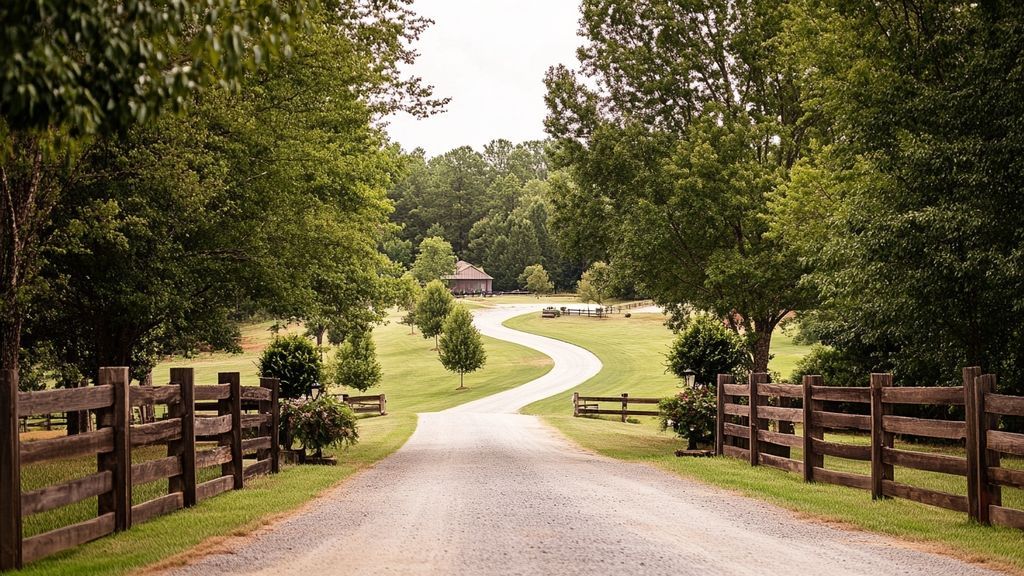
(602, 311)
(376, 404)
(591, 405)
(194, 413)
(746, 413)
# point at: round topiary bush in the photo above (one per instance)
(355, 363)
(295, 361)
(708, 348)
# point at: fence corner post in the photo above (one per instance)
(383, 404)
(880, 472)
(10, 473)
(989, 494)
(723, 379)
(575, 404)
(118, 462)
(975, 434)
(273, 408)
(233, 438)
(811, 432)
(185, 448)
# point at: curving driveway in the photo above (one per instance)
(478, 490)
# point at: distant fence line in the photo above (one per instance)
(601, 311)
(113, 441)
(746, 411)
(590, 405)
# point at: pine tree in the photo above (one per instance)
(462, 349)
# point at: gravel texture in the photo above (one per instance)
(478, 491)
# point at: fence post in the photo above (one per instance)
(118, 462)
(723, 379)
(232, 406)
(625, 405)
(383, 404)
(811, 432)
(975, 429)
(988, 493)
(185, 448)
(880, 472)
(575, 404)
(10, 473)
(755, 422)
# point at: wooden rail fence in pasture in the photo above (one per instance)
(113, 443)
(376, 404)
(757, 422)
(603, 311)
(591, 405)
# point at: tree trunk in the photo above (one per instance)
(762, 344)
(462, 380)
(28, 190)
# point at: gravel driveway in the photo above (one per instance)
(479, 490)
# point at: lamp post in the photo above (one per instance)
(689, 378)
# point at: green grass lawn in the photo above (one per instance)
(632, 352)
(415, 381)
(232, 513)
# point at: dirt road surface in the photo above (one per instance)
(478, 490)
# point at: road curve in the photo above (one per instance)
(480, 491)
(573, 365)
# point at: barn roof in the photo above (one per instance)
(466, 271)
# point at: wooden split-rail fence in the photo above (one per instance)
(375, 404)
(746, 413)
(591, 405)
(196, 416)
(600, 312)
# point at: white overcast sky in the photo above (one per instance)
(489, 56)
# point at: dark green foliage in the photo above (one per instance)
(296, 361)
(355, 363)
(708, 348)
(832, 365)
(461, 347)
(321, 423)
(690, 414)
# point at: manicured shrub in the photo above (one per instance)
(295, 361)
(690, 414)
(321, 423)
(832, 365)
(708, 348)
(355, 363)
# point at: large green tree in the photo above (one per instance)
(267, 197)
(906, 213)
(686, 119)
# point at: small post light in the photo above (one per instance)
(690, 378)
(315, 390)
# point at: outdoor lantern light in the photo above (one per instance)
(690, 378)
(314, 390)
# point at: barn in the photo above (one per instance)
(468, 279)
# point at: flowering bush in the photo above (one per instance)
(320, 423)
(690, 414)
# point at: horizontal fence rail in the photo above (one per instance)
(757, 422)
(376, 404)
(111, 403)
(591, 405)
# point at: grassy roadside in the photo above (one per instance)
(414, 381)
(631, 352)
(230, 514)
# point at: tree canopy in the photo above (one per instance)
(461, 347)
